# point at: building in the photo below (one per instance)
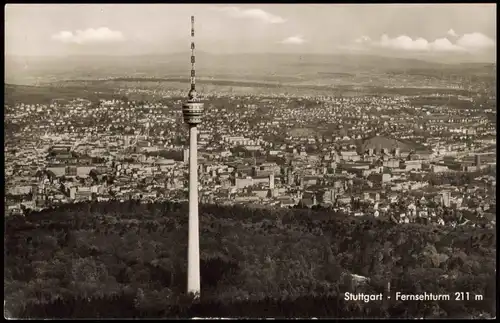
(329, 196)
(445, 198)
(477, 162)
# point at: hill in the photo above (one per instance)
(103, 260)
(28, 69)
(46, 94)
(388, 143)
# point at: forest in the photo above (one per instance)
(128, 260)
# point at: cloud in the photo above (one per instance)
(475, 41)
(363, 39)
(467, 42)
(91, 35)
(255, 14)
(293, 40)
(452, 33)
(444, 45)
(403, 43)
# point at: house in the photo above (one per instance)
(285, 201)
(56, 171)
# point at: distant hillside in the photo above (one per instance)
(75, 67)
(388, 143)
(38, 94)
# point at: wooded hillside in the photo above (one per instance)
(112, 259)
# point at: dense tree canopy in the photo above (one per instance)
(115, 259)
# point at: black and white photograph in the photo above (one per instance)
(239, 161)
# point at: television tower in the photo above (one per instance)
(192, 111)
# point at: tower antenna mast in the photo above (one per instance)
(192, 92)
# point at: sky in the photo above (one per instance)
(133, 29)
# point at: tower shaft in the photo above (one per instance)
(193, 279)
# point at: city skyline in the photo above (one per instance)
(395, 30)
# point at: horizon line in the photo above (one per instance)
(427, 59)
